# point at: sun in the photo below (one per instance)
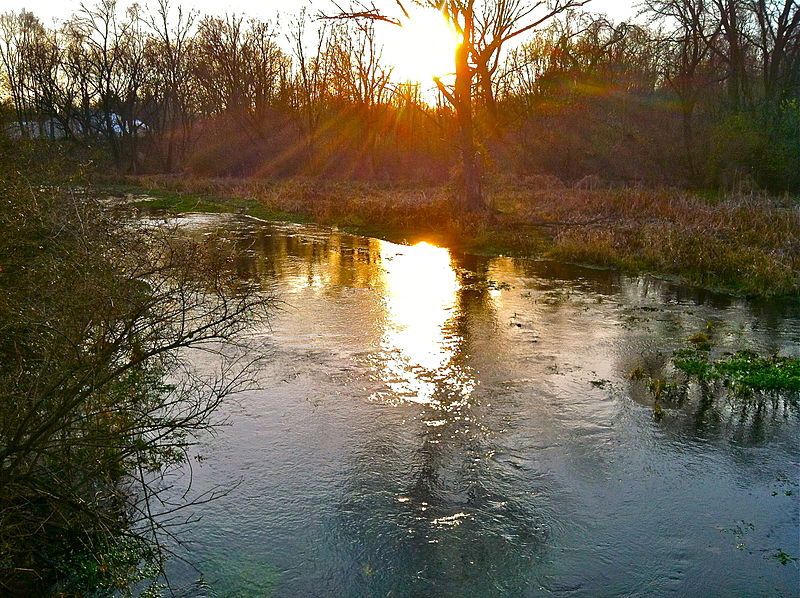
(422, 48)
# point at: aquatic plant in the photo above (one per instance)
(784, 558)
(743, 370)
(701, 341)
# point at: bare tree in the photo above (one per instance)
(240, 71)
(312, 74)
(102, 35)
(173, 30)
(51, 101)
(484, 28)
(17, 34)
(359, 77)
(734, 48)
(268, 77)
(687, 46)
(777, 38)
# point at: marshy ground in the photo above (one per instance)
(742, 242)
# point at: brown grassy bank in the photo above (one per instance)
(745, 243)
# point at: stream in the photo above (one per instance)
(433, 424)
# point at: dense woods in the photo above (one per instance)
(695, 93)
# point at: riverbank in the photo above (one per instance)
(99, 402)
(743, 243)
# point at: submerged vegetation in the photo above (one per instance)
(742, 371)
(743, 383)
(98, 398)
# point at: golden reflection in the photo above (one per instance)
(418, 361)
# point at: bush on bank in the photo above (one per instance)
(97, 396)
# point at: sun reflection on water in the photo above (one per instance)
(419, 361)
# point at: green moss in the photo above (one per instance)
(177, 202)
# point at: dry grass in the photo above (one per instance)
(748, 242)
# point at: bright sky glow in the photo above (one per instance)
(265, 9)
(422, 48)
(419, 50)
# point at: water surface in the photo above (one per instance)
(434, 424)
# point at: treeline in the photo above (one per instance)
(705, 94)
(708, 94)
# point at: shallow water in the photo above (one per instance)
(435, 424)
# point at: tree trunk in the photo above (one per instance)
(687, 110)
(473, 197)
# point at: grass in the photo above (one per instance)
(180, 202)
(748, 244)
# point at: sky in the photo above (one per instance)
(48, 10)
(419, 51)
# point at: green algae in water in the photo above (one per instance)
(743, 369)
(238, 574)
